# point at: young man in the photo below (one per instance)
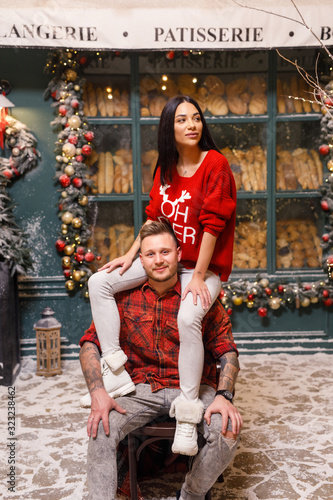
(150, 339)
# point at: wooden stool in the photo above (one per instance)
(155, 432)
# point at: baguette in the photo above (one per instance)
(101, 173)
(109, 172)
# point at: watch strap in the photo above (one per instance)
(226, 394)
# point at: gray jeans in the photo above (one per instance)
(143, 406)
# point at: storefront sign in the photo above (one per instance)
(135, 25)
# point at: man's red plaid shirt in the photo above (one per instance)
(149, 336)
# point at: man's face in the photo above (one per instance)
(160, 256)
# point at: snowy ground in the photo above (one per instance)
(286, 451)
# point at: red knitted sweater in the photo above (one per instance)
(204, 202)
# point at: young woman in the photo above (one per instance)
(195, 191)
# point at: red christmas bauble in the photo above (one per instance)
(75, 103)
(89, 257)
(77, 182)
(62, 110)
(80, 250)
(250, 296)
(229, 311)
(64, 180)
(326, 293)
(67, 273)
(83, 60)
(98, 257)
(89, 136)
(268, 291)
(324, 149)
(73, 139)
(186, 53)
(328, 102)
(262, 311)
(60, 245)
(170, 55)
(8, 174)
(328, 302)
(78, 257)
(79, 158)
(325, 237)
(86, 150)
(221, 294)
(280, 288)
(324, 205)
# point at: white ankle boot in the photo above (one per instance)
(188, 414)
(117, 383)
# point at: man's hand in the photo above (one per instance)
(101, 405)
(227, 410)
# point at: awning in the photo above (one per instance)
(169, 25)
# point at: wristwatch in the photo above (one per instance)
(226, 394)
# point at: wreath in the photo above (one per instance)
(23, 155)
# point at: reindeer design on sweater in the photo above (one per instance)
(172, 211)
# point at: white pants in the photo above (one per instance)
(102, 288)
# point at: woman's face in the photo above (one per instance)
(187, 125)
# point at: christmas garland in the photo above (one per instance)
(21, 144)
(72, 148)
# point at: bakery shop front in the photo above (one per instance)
(91, 87)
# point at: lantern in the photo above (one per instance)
(48, 344)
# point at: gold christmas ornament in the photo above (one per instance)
(314, 300)
(77, 222)
(264, 282)
(224, 300)
(250, 304)
(64, 194)
(70, 285)
(83, 201)
(330, 165)
(66, 262)
(237, 300)
(69, 249)
(69, 170)
(305, 302)
(71, 75)
(77, 275)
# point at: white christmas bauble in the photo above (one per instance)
(74, 121)
(68, 149)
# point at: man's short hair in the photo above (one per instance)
(157, 227)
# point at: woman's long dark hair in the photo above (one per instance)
(167, 151)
